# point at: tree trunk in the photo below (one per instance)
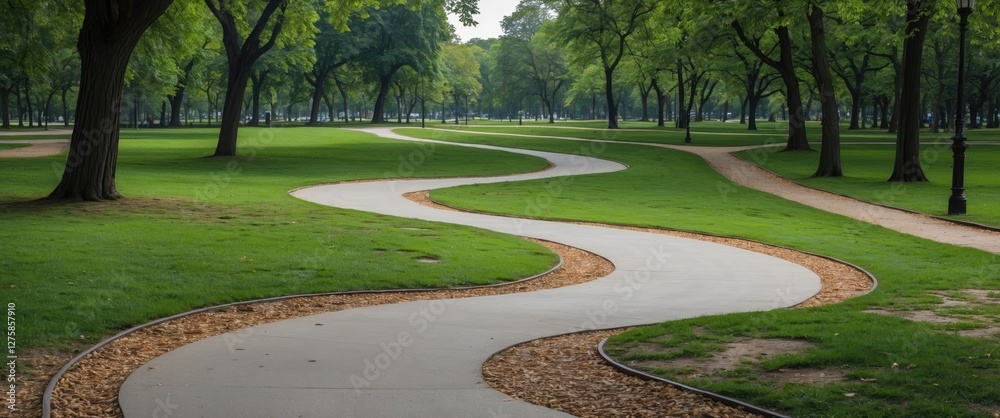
(752, 113)
(5, 106)
(383, 93)
(609, 91)
(258, 86)
(907, 165)
(785, 66)
(27, 97)
(660, 103)
(241, 55)
(177, 100)
(232, 109)
(829, 157)
(65, 108)
(743, 110)
(319, 85)
(109, 33)
(682, 120)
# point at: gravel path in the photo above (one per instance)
(746, 174)
(36, 148)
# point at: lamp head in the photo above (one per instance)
(965, 5)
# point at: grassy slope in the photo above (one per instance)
(673, 189)
(868, 166)
(12, 146)
(195, 231)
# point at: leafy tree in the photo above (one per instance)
(111, 29)
(248, 32)
(460, 69)
(753, 23)
(601, 28)
(528, 52)
(394, 37)
(906, 167)
(829, 157)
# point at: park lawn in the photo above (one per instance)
(952, 376)
(12, 146)
(708, 133)
(866, 168)
(196, 231)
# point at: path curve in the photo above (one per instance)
(36, 148)
(750, 175)
(423, 359)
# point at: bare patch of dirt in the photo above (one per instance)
(746, 354)
(955, 307)
(36, 148)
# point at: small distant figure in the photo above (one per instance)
(149, 120)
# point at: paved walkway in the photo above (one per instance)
(423, 359)
(746, 174)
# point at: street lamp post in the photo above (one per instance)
(687, 135)
(957, 202)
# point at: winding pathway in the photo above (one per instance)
(423, 359)
(36, 148)
(749, 175)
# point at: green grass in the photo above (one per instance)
(709, 133)
(196, 231)
(12, 146)
(866, 168)
(676, 190)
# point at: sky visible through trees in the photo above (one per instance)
(106, 65)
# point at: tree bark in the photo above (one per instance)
(660, 103)
(5, 106)
(609, 92)
(907, 165)
(785, 65)
(682, 120)
(383, 93)
(241, 57)
(829, 157)
(107, 38)
(177, 99)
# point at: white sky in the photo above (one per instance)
(491, 12)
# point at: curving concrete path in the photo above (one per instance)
(423, 359)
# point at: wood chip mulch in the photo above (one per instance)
(90, 388)
(562, 373)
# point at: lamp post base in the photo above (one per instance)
(956, 206)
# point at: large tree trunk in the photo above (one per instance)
(258, 87)
(752, 113)
(609, 92)
(829, 157)
(177, 100)
(65, 108)
(110, 32)
(682, 120)
(232, 109)
(319, 85)
(660, 103)
(241, 55)
(897, 82)
(907, 165)
(383, 93)
(785, 65)
(5, 106)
